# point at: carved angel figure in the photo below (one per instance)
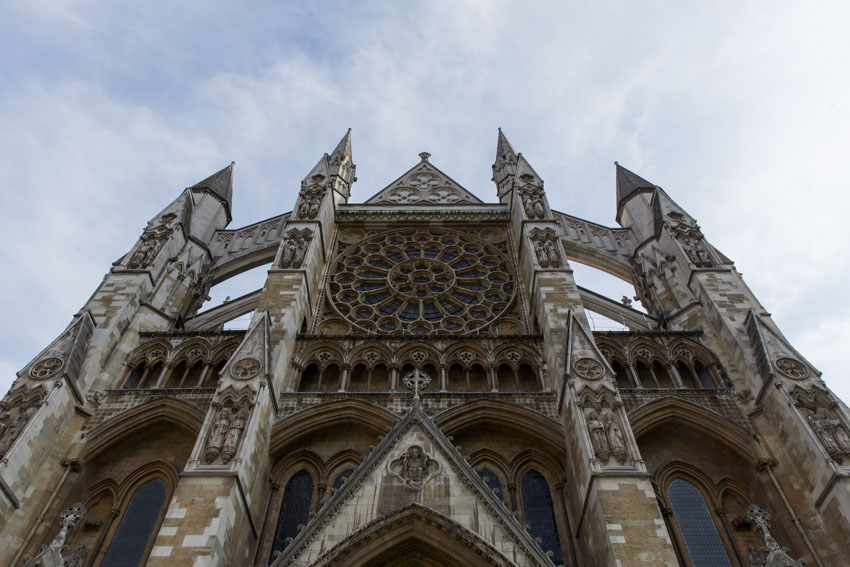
(413, 466)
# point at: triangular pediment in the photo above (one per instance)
(775, 355)
(414, 468)
(424, 184)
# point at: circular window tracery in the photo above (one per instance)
(419, 282)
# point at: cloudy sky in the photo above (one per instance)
(740, 110)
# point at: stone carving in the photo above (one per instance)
(616, 439)
(295, 248)
(201, 292)
(246, 368)
(152, 240)
(231, 417)
(546, 248)
(417, 381)
(826, 422)
(96, 397)
(311, 198)
(52, 555)
(46, 368)
(17, 409)
(533, 201)
(791, 368)
(588, 368)
(831, 433)
(605, 429)
(414, 467)
(598, 437)
(772, 555)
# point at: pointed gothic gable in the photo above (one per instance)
(413, 468)
(584, 361)
(251, 357)
(424, 184)
(64, 356)
(774, 355)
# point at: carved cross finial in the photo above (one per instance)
(416, 380)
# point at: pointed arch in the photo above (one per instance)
(312, 420)
(184, 415)
(413, 530)
(674, 410)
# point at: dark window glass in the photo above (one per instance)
(136, 529)
(704, 376)
(371, 274)
(380, 264)
(390, 307)
(703, 543)
(413, 252)
(294, 510)
(410, 312)
(369, 286)
(135, 376)
(430, 312)
(431, 252)
(376, 297)
(492, 480)
(340, 478)
(539, 514)
(450, 307)
(448, 256)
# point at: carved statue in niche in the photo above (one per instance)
(227, 430)
(831, 432)
(234, 434)
(598, 437)
(605, 429)
(201, 292)
(295, 248)
(414, 467)
(532, 201)
(311, 198)
(616, 439)
(215, 441)
(16, 413)
(546, 248)
(152, 240)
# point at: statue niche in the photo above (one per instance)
(294, 248)
(226, 432)
(152, 240)
(606, 433)
(15, 412)
(825, 421)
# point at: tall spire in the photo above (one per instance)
(629, 183)
(343, 148)
(504, 148)
(220, 183)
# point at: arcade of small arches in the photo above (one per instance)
(374, 368)
(195, 363)
(652, 365)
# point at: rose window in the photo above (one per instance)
(419, 282)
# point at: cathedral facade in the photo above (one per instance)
(419, 386)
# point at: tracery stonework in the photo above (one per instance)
(422, 281)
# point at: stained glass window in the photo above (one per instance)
(696, 525)
(540, 514)
(294, 510)
(137, 526)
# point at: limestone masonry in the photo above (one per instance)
(419, 386)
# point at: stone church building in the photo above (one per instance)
(419, 386)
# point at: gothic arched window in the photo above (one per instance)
(540, 513)
(493, 481)
(130, 543)
(702, 541)
(294, 510)
(341, 477)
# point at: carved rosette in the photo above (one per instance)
(294, 248)
(414, 467)
(546, 248)
(588, 368)
(246, 368)
(791, 367)
(46, 368)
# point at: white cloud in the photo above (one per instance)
(742, 122)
